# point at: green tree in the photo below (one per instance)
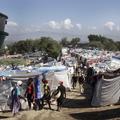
(44, 44)
(53, 49)
(118, 45)
(64, 42)
(105, 43)
(75, 41)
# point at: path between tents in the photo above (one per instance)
(76, 107)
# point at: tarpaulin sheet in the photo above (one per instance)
(54, 78)
(63, 76)
(5, 89)
(107, 91)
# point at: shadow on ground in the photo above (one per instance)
(98, 115)
(79, 103)
(4, 117)
(76, 103)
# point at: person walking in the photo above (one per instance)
(16, 95)
(29, 93)
(61, 88)
(46, 96)
(74, 80)
(81, 82)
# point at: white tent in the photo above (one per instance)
(54, 78)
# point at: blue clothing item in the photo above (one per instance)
(18, 91)
(15, 105)
(38, 93)
(15, 92)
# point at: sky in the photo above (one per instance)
(61, 18)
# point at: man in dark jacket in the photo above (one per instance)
(60, 100)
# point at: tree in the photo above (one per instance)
(93, 38)
(23, 46)
(64, 42)
(105, 43)
(96, 44)
(53, 49)
(75, 41)
(118, 45)
(44, 44)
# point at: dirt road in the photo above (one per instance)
(76, 107)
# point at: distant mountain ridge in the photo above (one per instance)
(55, 35)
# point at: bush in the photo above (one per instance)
(14, 61)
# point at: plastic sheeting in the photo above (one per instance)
(52, 68)
(54, 78)
(53, 83)
(63, 76)
(31, 71)
(38, 88)
(19, 74)
(106, 92)
(5, 89)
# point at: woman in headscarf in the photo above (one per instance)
(16, 95)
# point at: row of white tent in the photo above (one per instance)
(107, 91)
(100, 60)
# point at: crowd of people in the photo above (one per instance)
(83, 74)
(34, 97)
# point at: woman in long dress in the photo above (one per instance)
(16, 96)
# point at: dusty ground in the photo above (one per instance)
(76, 107)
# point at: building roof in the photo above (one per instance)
(4, 33)
(3, 15)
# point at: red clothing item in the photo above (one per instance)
(30, 89)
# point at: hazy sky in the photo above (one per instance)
(61, 17)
